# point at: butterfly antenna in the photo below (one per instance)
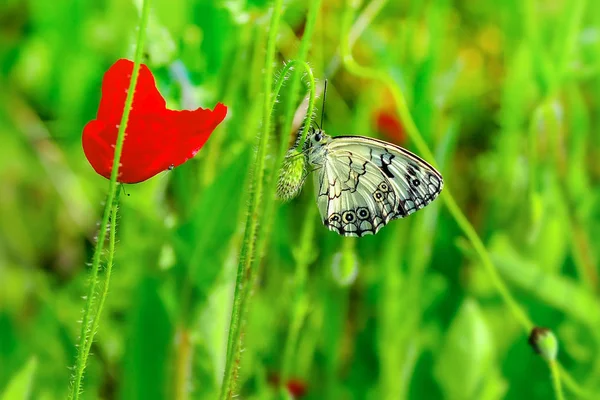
(323, 107)
(315, 122)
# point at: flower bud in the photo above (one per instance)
(543, 341)
(291, 175)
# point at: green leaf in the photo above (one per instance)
(149, 344)
(203, 242)
(465, 365)
(20, 386)
(557, 291)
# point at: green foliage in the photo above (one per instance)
(505, 94)
(20, 385)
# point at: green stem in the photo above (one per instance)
(574, 17)
(87, 335)
(183, 363)
(254, 262)
(242, 289)
(556, 384)
(544, 67)
(449, 200)
(289, 67)
(111, 255)
(415, 135)
(303, 255)
(247, 270)
(252, 257)
(364, 19)
(573, 386)
(270, 199)
(311, 20)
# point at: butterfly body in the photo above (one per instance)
(364, 183)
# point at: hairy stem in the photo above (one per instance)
(87, 332)
(242, 287)
(109, 264)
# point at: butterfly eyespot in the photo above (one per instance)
(416, 182)
(363, 213)
(384, 187)
(334, 218)
(349, 216)
(378, 195)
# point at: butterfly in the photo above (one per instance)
(364, 183)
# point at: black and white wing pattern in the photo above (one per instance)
(354, 197)
(364, 183)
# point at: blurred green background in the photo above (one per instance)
(507, 94)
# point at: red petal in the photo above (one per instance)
(115, 85)
(97, 150)
(191, 130)
(144, 151)
(153, 142)
(155, 139)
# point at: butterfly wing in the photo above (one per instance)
(354, 197)
(415, 181)
(364, 183)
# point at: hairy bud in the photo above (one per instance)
(291, 175)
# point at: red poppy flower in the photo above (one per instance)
(156, 138)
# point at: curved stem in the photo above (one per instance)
(450, 202)
(251, 257)
(311, 21)
(287, 69)
(87, 333)
(242, 287)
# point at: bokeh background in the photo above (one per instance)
(507, 96)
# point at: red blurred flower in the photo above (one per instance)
(297, 388)
(156, 138)
(388, 124)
